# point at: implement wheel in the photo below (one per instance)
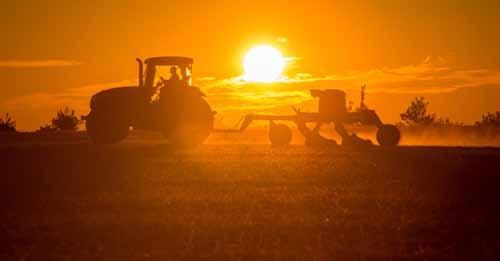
(388, 135)
(279, 134)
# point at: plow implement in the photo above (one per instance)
(331, 110)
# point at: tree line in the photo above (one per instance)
(65, 120)
(417, 115)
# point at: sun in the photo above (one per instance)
(263, 63)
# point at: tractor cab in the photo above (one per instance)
(169, 72)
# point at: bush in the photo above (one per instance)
(489, 119)
(416, 114)
(7, 124)
(47, 128)
(65, 120)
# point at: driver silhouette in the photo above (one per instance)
(170, 86)
(174, 77)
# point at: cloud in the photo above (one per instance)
(73, 97)
(432, 74)
(37, 63)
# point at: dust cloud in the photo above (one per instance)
(467, 136)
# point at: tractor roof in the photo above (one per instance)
(169, 60)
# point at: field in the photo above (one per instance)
(142, 200)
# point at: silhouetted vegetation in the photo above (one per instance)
(7, 124)
(447, 122)
(416, 114)
(47, 128)
(65, 120)
(489, 119)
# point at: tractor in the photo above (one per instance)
(163, 101)
(331, 110)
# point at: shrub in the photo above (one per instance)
(489, 119)
(47, 128)
(416, 113)
(65, 120)
(7, 124)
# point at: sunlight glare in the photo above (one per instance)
(263, 63)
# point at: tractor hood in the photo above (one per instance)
(119, 97)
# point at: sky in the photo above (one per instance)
(59, 53)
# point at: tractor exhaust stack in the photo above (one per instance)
(141, 72)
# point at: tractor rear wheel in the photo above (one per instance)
(388, 135)
(105, 130)
(188, 135)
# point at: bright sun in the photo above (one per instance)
(263, 63)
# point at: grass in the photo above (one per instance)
(142, 201)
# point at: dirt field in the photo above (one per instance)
(143, 200)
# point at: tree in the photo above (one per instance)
(416, 113)
(65, 120)
(7, 124)
(489, 119)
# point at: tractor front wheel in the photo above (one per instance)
(105, 130)
(388, 135)
(188, 135)
(193, 125)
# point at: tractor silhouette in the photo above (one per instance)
(164, 101)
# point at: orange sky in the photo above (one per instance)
(58, 53)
